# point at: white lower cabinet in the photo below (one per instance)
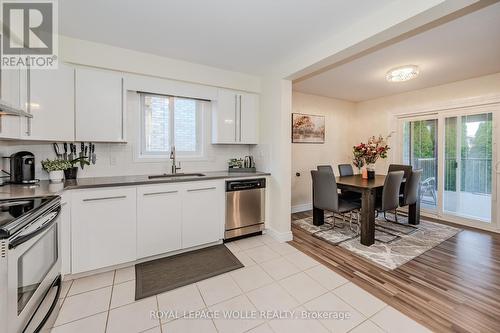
(202, 213)
(159, 219)
(103, 228)
(111, 226)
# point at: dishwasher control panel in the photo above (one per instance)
(246, 184)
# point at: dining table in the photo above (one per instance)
(368, 189)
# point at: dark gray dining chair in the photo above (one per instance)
(345, 170)
(325, 168)
(412, 188)
(407, 172)
(325, 196)
(389, 201)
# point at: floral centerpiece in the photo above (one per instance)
(368, 153)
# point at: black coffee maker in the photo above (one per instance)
(22, 168)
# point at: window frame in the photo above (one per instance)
(201, 112)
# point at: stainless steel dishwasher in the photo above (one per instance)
(245, 207)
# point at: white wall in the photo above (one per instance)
(339, 118)
(87, 53)
(273, 153)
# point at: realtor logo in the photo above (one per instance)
(29, 34)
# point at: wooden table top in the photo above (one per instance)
(358, 182)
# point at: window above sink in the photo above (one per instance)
(168, 121)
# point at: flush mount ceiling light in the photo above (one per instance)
(403, 73)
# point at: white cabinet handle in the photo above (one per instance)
(159, 193)
(240, 118)
(105, 198)
(202, 189)
(28, 100)
(235, 117)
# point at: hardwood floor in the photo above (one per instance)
(454, 287)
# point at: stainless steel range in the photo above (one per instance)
(30, 264)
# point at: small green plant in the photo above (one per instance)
(79, 160)
(55, 165)
(235, 163)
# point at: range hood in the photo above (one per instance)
(7, 109)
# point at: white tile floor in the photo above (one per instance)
(277, 277)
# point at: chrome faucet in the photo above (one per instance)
(174, 164)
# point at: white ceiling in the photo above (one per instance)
(464, 48)
(247, 36)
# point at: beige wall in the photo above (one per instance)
(349, 123)
(338, 142)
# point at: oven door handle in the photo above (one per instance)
(46, 221)
(57, 282)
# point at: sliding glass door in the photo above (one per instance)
(468, 166)
(454, 149)
(420, 150)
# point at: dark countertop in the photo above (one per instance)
(44, 187)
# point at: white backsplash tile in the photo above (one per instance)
(114, 159)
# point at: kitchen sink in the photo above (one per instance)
(177, 175)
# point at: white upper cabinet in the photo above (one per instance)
(224, 117)
(99, 102)
(249, 121)
(51, 101)
(235, 118)
(10, 93)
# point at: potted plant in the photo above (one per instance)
(55, 168)
(72, 171)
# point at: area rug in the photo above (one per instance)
(395, 243)
(164, 274)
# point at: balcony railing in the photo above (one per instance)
(475, 173)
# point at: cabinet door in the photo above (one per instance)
(99, 106)
(103, 229)
(52, 105)
(202, 213)
(10, 93)
(159, 219)
(224, 117)
(249, 120)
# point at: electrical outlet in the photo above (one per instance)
(112, 160)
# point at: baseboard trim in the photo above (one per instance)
(302, 208)
(280, 236)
